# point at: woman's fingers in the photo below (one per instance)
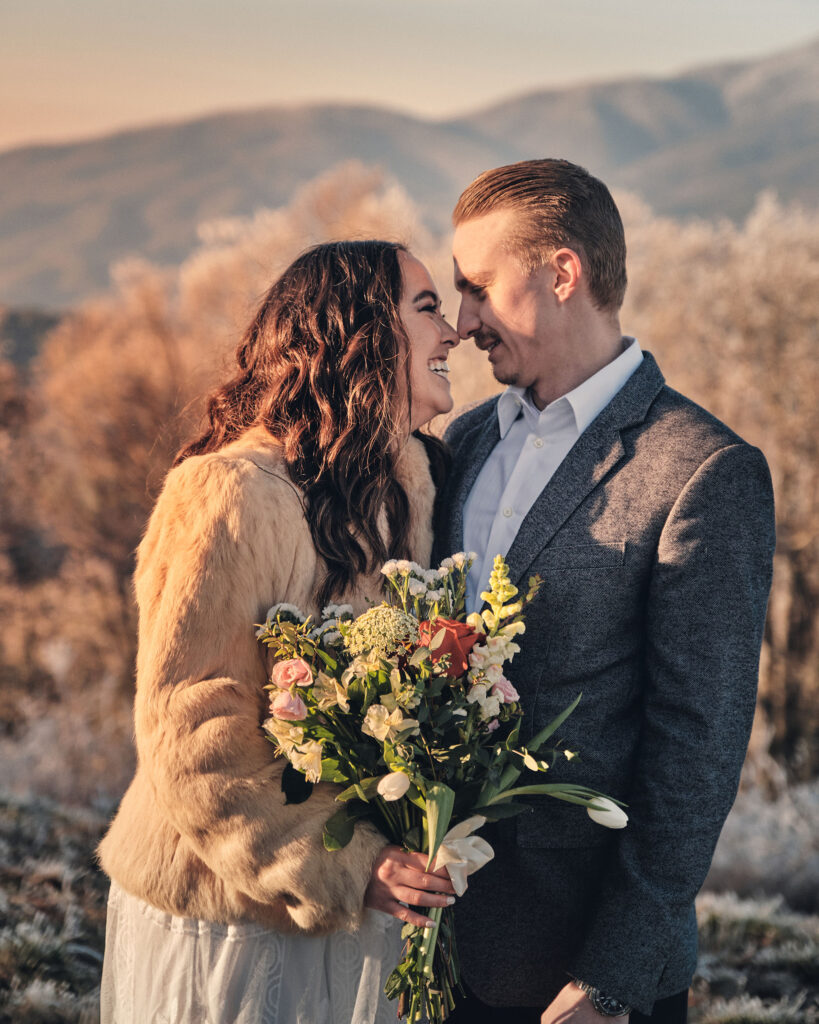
(409, 916)
(399, 878)
(378, 897)
(395, 866)
(417, 898)
(426, 883)
(437, 881)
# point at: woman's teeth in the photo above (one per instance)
(439, 366)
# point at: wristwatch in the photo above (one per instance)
(608, 1006)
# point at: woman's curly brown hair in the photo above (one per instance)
(319, 366)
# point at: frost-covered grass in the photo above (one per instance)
(52, 905)
(759, 961)
(750, 1010)
(771, 847)
(759, 958)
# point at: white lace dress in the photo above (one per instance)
(161, 969)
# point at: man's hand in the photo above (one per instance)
(572, 1006)
(399, 877)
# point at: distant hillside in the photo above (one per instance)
(702, 143)
(705, 142)
(22, 330)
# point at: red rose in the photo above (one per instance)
(459, 639)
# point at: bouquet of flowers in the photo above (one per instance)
(408, 709)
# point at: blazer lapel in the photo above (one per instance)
(597, 451)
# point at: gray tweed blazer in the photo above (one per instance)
(655, 540)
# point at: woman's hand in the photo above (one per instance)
(399, 877)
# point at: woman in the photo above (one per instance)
(224, 904)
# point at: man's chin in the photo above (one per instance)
(504, 376)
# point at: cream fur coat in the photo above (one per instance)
(203, 830)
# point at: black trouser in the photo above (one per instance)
(471, 1010)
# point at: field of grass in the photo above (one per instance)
(759, 960)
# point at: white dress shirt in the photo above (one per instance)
(533, 444)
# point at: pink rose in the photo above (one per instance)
(288, 706)
(295, 671)
(505, 691)
(492, 726)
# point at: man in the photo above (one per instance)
(652, 526)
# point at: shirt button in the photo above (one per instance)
(538, 442)
(508, 512)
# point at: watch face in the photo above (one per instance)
(611, 1007)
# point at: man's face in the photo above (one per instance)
(509, 313)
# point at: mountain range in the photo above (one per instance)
(700, 143)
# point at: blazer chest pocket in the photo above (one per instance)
(574, 557)
(586, 608)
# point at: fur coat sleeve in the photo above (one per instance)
(206, 812)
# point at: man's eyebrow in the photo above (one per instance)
(478, 281)
(427, 294)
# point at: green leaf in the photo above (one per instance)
(510, 809)
(437, 640)
(512, 738)
(331, 771)
(416, 797)
(338, 830)
(364, 789)
(331, 663)
(397, 981)
(559, 790)
(356, 691)
(420, 655)
(437, 685)
(440, 801)
(412, 839)
(540, 738)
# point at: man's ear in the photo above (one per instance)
(568, 272)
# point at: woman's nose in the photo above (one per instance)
(449, 335)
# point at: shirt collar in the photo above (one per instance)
(587, 400)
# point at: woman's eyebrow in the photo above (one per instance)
(426, 295)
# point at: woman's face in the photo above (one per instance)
(430, 339)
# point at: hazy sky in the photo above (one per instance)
(71, 68)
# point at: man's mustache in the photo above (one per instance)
(486, 338)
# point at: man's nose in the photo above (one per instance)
(469, 323)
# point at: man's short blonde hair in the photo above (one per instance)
(559, 205)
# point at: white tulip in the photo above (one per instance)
(393, 786)
(606, 812)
